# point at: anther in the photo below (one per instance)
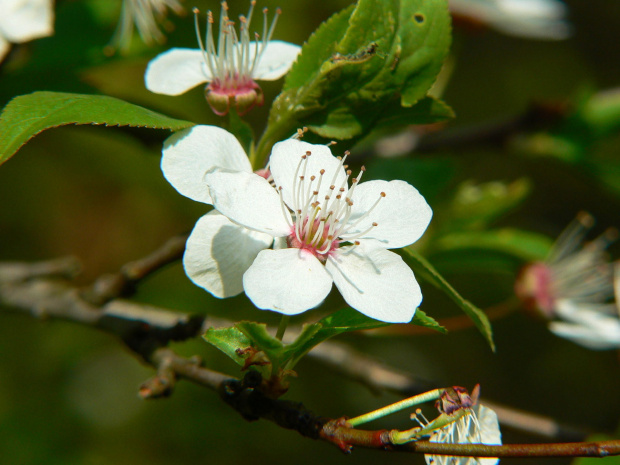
(382, 194)
(375, 224)
(312, 178)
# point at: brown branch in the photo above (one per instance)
(122, 283)
(148, 329)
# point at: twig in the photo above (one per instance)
(122, 284)
(147, 330)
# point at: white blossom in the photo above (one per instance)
(285, 246)
(24, 20)
(536, 19)
(230, 65)
(574, 286)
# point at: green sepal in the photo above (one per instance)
(28, 115)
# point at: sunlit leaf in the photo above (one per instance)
(28, 115)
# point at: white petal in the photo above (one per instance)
(190, 153)
(284, 163)
(249, 200)
(402, 215)
(600, 337)
(289, 281)
(489, 425)
(375, 282)
(276, 60)
(218, 252)
(176, 71)
(23, 20)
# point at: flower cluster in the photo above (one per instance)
(285, 235)
(230, 66)
(573, 288)
(24, 20)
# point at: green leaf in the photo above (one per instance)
(358, 68)
(422, 319)
(426, 271)
(28, 115)
(428, 110)
(228, 340)
(524, 245)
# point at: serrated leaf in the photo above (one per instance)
(28, 115)
(357, 64)
(422, 319)
(228, 340)
(426, 271)
(428, 110)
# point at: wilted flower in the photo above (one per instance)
(478, 426)
(230, 67)
(24, 20)
(324, 231)
(573, 287)
(536, 19)
(146, 16)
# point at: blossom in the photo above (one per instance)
(572, 288)
(478, 426)
(146, 16)
(536, 19)
(285, 246)
(230, 68)
(24, 20)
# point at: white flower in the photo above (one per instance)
(230, 67)
(537, 19)
(573, 287)
(145, 15)
(24, 20)
(325, 233)
(479, 426)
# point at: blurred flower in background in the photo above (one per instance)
(230, 67)
(146, 16)
(573, 287)
(533, 19)
(24, 20)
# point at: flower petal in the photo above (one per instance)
(375, 282)
(284, 164)
(402, 215)
(176, 71)
(190, 153)
(289, 281)
(4, 47)
(24, 20)
(218, 252)
(249, 200)
(587, 325)
(275, 61)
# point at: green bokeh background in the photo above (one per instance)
(68, 394)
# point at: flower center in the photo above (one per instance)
(320, 225)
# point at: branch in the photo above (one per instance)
(147, 330)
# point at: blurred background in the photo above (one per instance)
(68, 394)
